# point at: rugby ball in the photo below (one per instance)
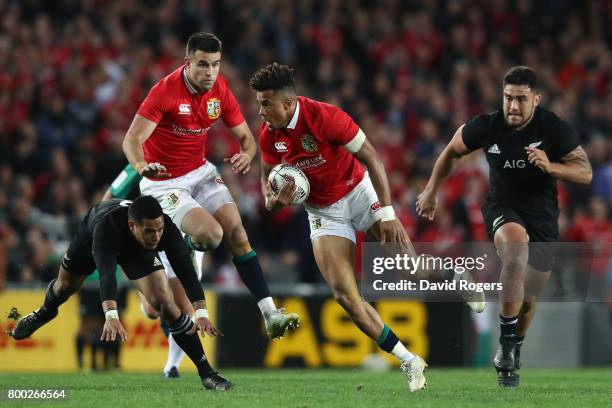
(281, 173)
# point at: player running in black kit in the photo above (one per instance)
(130, 234)
(528, 149)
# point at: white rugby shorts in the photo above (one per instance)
(356, 211)
(202, 187)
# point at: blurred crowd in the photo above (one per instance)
(73, 73)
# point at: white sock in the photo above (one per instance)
(266, 305)
(175, 355)
(401, 352)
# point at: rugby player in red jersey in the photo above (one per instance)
(165, 145)
(328, 146)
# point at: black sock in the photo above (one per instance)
(80, 347)
(387, 339)
(507, 326)
(52, 301)
(251, 274)
(164, 327)
(190, 343)
(519, 340)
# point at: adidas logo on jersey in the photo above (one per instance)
(184, 109)
(494, 149)
(156, 262)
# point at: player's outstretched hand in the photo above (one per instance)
(241, 162)
(393, 232)
(538, 158)
(426, 204)
(206, 327)
(112, 329)
(155, 170)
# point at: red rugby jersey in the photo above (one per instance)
(314, 142)
(183, 118)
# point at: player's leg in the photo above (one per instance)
(203, 231)
(155, 288)
(535, 280)
(175, 353)
(215, 197)
(58, 291)
(247, 264)
(511, 242)
(334, 256)
(175, 198)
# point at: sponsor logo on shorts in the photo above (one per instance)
(309, 144)
(184, 109)
(213, 108)
(281, 147)
(315, 223)
(172, 199)
(375, 206)
(219, 180)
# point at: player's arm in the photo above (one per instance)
(285, 195)
(574, 166)
(139, 131)
(390, 228)
(106, 261)
(444, 165)
(178, 256)
(241, 162)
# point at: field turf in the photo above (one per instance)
(454, 388)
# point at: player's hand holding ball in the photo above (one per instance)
(288, 186)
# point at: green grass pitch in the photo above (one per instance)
(303, 388)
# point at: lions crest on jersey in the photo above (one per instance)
(309, 144)
(213, 108)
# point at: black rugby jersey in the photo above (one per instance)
(513, 180)
(106, 231)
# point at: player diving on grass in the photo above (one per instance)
(327, 145)
(125, 186)
(130, 234)
(528, 148)
(165, 144)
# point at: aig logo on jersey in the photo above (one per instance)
(281, 147)
(184, 109)
(515, 164)
(213, 108)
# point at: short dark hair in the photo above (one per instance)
(273, 76)
(206, 42)
(521, 75)
(144, 207)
